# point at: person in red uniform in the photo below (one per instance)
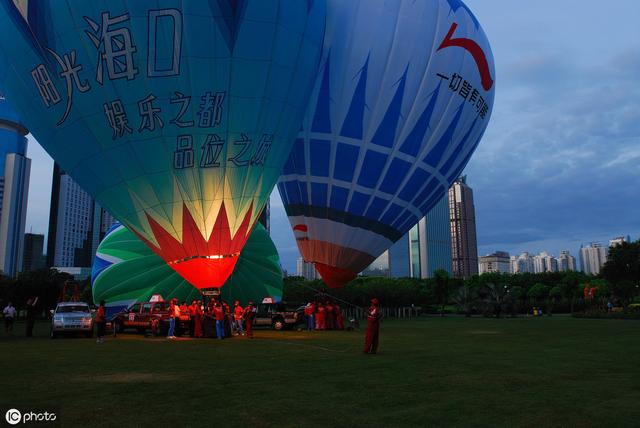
(373, 328)
(249, 315)
(329, 316)
(192, 318)
(199, 313)
(101, 321)
(320, 317)
(218, 312)
(238, 312)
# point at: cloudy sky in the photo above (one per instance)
(560, 162)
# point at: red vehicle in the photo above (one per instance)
(147, 316)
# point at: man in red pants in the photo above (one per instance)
(373, 328)
(249, 315)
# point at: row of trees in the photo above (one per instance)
(493, 293)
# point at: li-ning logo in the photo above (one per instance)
(476, 52)
(14, 417)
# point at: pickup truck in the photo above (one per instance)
(278, 315)
(140, 317)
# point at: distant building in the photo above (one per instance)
(306, 270)
(522, 263)
(498, 262)
(592, 258)
(566, 262)
(544, 262)
(619, 240)
(15, 169)
(33, 257)
(462, 216)
(421, 251)
(77, 223)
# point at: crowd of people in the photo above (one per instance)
(227, 321)
(323, 315)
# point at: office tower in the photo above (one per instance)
(462, 216)
(33, 257)
(544, 262)
(523, 263)
(306, 270)
(498, 262)
(592, 258)
(421, 251)
(566, 262)
(77, 223)
(15, 169)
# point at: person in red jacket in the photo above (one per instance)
(218, 313)
(101, 321)
(199, 314)
(192, 318)
(373, 328)
(238, 312)
(249, 315)
(329, 316)
(320, 317)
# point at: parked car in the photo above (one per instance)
(71, 317)
(140, 316)
(278, 315)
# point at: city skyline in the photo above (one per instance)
(544, 177)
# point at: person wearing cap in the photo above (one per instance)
(373, 327)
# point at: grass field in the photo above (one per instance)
(527, 372)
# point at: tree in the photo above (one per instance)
(496, 298)
(538, 292)
(465, 298)
(441, 289)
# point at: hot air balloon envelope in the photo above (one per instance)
(402, 99)
(177, 116)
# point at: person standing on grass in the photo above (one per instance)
(218, 312)
(249, 315)
(339, 317)
(373, 327)
(193, 308)
(10, 315)
(227, 319)
(238, 312)
(320, 317)
(31, 316)
(101, 321)
(198, 319)
(172, 320)
(308, 314)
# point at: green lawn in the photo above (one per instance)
(528, 372)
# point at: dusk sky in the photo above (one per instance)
(559, 164)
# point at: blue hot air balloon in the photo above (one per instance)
(176, 115)
(402, 99)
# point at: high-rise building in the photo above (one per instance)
(544, 262)
(592, 258)
(566, 262)
(522, 263)
(33, 257)
(498, 262)
(15, 169)
(464, 247)
(421, 251)
(77, 223)
(306, 270)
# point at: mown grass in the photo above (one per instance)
(524, 372)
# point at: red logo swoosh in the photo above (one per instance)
(476, 52)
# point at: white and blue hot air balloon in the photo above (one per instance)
(402, 99)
